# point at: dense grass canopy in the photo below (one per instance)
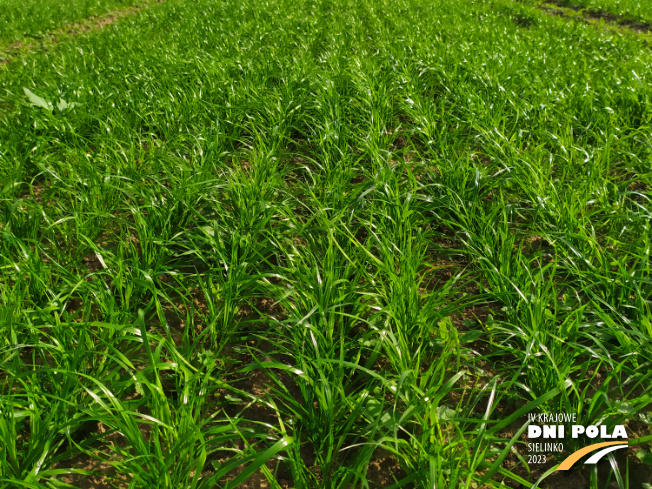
(321, 244)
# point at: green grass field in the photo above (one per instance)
(313, 244)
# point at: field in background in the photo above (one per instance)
(21, 19)
(324, 244)
(635, 10)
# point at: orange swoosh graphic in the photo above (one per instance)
(571, 459)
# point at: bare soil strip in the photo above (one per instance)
(591, 16)
(96, 22)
